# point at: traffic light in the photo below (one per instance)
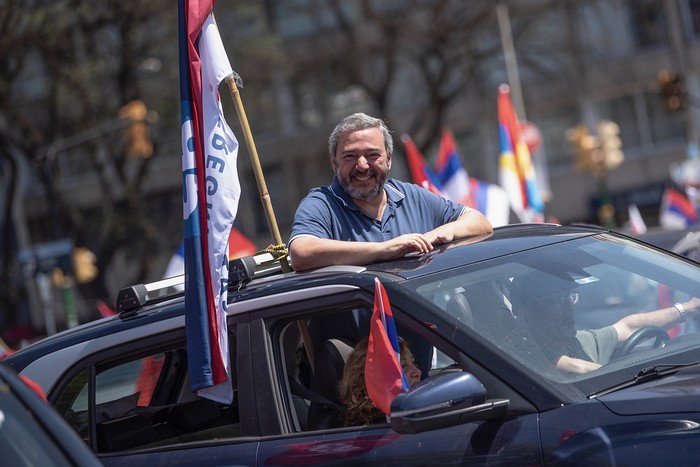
(84, 268)
(610, 144)
(672, 88)
(587, 154)
(138, 133)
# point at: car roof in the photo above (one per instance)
(504, 240)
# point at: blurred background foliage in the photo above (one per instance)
(69, 67)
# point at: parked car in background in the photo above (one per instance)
(32, 433)
(490, 394)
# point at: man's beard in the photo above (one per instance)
(366, 194)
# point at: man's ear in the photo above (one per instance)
(388, 161)
(334, 164)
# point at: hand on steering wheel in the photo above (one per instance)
(642, 334)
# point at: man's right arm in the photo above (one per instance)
(663, 318)
(308, 252)
(575, 365)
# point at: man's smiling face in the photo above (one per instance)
(362, 164)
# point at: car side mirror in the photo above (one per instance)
(444, 400)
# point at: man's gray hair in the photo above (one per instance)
(356, 122)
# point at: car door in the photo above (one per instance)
(296, 424)
(132, 405)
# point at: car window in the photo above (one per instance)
(562, 300)
(144, 402)
(311, 384)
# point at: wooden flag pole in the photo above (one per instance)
(257, 169)
(267, 204)
(233, 81)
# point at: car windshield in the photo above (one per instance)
(568, 299)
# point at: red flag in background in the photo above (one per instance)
(421, 173)
(239, 245)
(384, 377)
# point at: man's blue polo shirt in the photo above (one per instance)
(328, 212)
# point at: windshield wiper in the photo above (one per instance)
(647, 374)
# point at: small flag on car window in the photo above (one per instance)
(384, 377)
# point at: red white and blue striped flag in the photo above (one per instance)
(421, 173)
(450, 171)
(490, 199)
(210, 193)
(384, 377)
(677, 209)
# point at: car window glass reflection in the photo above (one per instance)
(532, 304)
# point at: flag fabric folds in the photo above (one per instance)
(451, 173)
(516, 171)
(677, 209)
(421, 173)
(211, 191)
(384, 377)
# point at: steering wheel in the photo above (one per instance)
(642, 334)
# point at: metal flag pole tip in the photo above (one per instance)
(236, 79)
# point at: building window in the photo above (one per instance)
(621, 110)
(694, 16)
(665, 126)
(553, 124)
(643, 121)
(647, 22)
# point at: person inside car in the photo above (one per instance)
(364, 216)
(358, 409)
(546, 303)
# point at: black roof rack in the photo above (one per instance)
(241, 271)
(135, 296)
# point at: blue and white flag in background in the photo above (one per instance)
(211, 191)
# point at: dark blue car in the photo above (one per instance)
(539, 345)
